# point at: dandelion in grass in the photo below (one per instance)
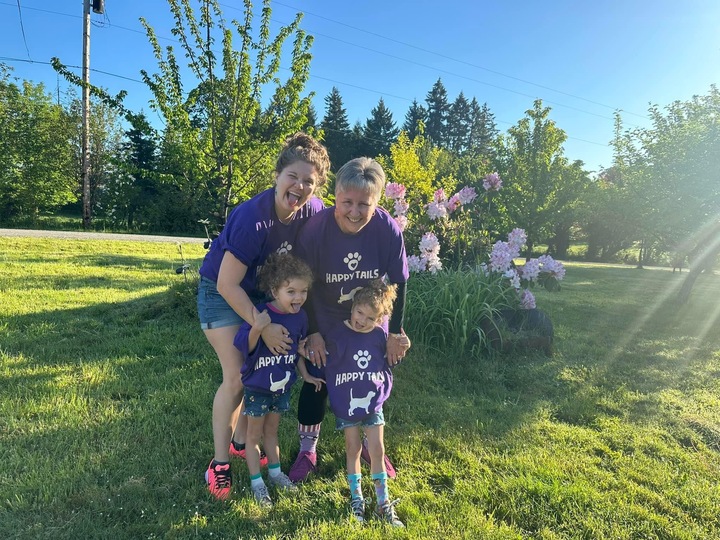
(394, 191)
(492, 182)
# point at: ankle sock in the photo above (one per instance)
(274, 470)
(381, 487)
(238, 446)
(256, 480)
(309, 437)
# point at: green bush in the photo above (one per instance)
(445, 309)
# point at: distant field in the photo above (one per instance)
(107, 387)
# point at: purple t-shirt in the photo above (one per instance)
(253, 232)
(262, 370)
(357, 374)
(344, 263)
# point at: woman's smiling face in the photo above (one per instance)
(295, 184)
(353, 209)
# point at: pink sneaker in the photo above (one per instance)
(304, 464)
(241, 454)
(219, 481)
(365, 458)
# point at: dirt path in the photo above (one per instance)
(78, 235)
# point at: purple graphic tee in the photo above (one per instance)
(253, 232)
(357, 374)
(262, 370)
(344, 263)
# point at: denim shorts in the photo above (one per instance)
(259, 404)
(375, 419)
(213, 309)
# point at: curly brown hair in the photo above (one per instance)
(303, 147)
(378, 295)
(280, 269)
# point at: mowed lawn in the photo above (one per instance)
(107, 384)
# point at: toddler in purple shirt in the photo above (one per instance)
(359, 380)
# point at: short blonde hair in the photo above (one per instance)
(361, 173)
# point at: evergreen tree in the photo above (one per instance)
(458, 125)
(336, 127)
(483, 130)
(380, 131)
(416, 113)
(311, 122)
(438, 108)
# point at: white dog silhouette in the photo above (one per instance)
(348, 296)
(360, 403)
(279, 385)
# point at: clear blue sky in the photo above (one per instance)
(584, 59)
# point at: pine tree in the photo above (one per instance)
(337, 129)
(380, 131)
(483, 129)
(458, 125)
(416, 113)
(437, 107)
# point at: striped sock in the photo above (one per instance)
(274, 469)
(309, 437)
(381, 487)
(355, 483)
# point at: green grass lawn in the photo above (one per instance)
(107, 388)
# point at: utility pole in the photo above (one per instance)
(85, 171)
(98, 7)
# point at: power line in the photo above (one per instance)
(22, 29)
(422, 49)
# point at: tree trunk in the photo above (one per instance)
(705, 263)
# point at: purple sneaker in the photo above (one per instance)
(365, 458)
(304, 464)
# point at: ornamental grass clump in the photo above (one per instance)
(446, 308)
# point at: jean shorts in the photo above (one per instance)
(259, 404)
(213, 309)
(375, 419)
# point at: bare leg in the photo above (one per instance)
(376, 447)
(255, 428)
(228, 397)
(270, 437)
(353, 445)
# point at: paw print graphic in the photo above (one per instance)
(284, 248)
(362, 358)
(352, 260)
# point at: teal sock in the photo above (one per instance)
(256, 480)
(355, 483)
(274, 469)
(381, 487)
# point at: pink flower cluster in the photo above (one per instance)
(396, 192)
(441, 207)
(501, 261)
(429, 258)
(492, 182)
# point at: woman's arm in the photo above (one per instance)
(397, 342)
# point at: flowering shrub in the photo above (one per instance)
(445, 216)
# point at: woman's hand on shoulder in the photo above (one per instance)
(276, 338)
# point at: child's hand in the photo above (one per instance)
(302, 348)
(314, 380)
(261, 320)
